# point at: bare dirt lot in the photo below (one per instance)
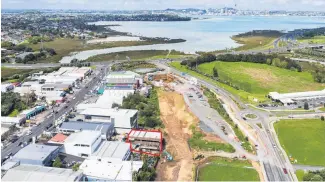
(177, 120)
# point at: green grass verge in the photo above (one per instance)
(322, 109)
(223, 169)
(251, 116)
(14, 113)
(300, 174)
(197, 142)
(216, 104)
(259, 125)
(260, 79)
(303, 140)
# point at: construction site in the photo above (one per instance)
(179, 159)
(145, 141)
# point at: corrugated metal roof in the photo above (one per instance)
(112, 149)
(40, 173)
(75, 125)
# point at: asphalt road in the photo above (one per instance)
(38, 130)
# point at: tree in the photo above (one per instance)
(57, 163)
(308, 176)
(316, 177)
(215, 72)
(322, 118)
(115, 105)
(306, 106)
(75, 167)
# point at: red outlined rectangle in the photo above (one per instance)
(142, 152)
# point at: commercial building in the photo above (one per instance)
(145, 141)
(290, 98)
(35, 154)
(123, 80)
(82, 144)
(106, 100)
(33, 173)
(106, 129)
(123, 119)
(19, 120)
(55, 88)
(112, 151)
(32, 112)
(58, 139)
(104, 171)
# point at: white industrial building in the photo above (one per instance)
(290, 98)
(82, 144)
(112, 151)
(33, 173)
(123, 119)
(106, 100)
(123, 80)
(95, 170)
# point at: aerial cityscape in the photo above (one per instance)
(183, 90)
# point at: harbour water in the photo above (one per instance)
(212, 33)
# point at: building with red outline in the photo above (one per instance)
(145, 141)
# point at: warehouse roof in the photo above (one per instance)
(34, 152)
(119, 171)
(145, 134)
(297, 95)
(40, 173)
(112, 149)
(75, 125)
(83, 137)
(109, 112)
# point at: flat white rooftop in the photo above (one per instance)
(119, 171)
(297, 95)
(40, 173)
(112, 149)
(109, 112)
(83, 137)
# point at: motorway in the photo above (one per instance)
(13, 148)
(269, 151)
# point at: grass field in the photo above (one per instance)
(254, 42)
(222, 169)
(314, 40)
(303, 140)
(8, 72)
(197, 142)
(136, 55)
(260, 79)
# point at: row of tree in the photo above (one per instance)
(311, 52)
(148, 108)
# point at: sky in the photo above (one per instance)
(304, 5)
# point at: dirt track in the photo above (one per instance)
(177, 121)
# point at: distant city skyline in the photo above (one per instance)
(291, 5)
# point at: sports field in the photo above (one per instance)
(260, 79)
(223, 169)
(303, 140)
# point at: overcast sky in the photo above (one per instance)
(163, 4)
